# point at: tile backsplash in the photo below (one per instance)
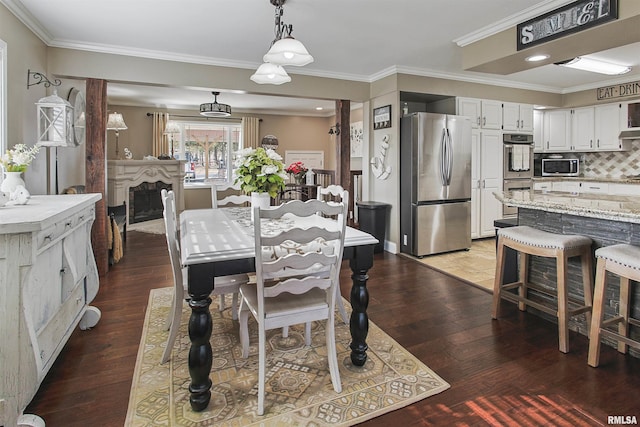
(610, 164)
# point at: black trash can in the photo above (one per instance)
(372, 217)
(511, 266)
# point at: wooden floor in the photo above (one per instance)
(505, 372)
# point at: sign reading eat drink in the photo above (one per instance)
(565, 20)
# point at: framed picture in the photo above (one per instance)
(356, 139)
(382, 117)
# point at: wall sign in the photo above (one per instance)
(565, 20)
(619, 91)
(382, 117)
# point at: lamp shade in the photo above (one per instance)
(288, 51)
(116, 122)
(172, 127)
(55, 122)
(270, 74)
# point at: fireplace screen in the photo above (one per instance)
(145, 202)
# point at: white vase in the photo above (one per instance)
(11, 182)
(262, 200)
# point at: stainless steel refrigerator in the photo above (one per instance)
(435, 183)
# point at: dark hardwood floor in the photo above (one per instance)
(505, 372)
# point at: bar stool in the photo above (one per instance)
(624, 261)
(530, 241)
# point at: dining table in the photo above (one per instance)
(220, 242)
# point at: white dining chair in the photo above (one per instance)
(222, 285)
(298, 285)
(220, 196)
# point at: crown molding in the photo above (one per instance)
(27, 19)
(510, 21)
(595, 85)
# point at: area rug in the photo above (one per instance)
(153, 226)
(299, 390)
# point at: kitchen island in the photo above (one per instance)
(607, 219)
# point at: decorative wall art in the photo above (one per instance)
(382, 117)
(380, 171)
(356, 133)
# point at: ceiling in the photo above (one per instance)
(360, 40)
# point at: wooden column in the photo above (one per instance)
(343, 143)
(95, 173)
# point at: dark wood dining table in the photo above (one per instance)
(219, 242)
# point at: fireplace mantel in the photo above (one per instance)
(124, 174)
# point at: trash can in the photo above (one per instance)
(372, 217)
(511, 265)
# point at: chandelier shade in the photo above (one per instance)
(269, 73)
(288, 51)
(214, 109)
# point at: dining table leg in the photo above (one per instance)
(200, 328)
(360, 261)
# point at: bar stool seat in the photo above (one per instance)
(624, 261)
(530, 241)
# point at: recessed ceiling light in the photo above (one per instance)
(536, 58)
(319, 108)
(595, 66)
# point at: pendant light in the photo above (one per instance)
(270, 74)
(213, 109)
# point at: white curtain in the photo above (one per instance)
(160, 142)
(251, 132)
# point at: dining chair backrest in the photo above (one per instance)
(300, 258)
(227, 194)
(170, 219)
(333, 193)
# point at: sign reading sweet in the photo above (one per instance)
(568, 19)
(619, 91)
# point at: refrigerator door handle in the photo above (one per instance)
(449, 158)
(443, 154)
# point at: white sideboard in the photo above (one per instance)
(48, 277)
(125, 174)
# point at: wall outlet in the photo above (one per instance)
(404, 240)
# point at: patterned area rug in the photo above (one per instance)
(299, 390)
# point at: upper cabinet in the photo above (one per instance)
(538, 131)
(517, 117)
(557, 130)
(484, 113)
(585, 129)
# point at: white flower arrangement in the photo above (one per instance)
(259, 170)
(19, 158)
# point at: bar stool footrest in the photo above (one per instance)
(618, 337)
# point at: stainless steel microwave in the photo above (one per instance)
(560, 167)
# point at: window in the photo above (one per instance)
(208, 148)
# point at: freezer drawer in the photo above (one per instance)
(441, 228)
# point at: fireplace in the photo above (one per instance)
(145, 201)
(139, 182)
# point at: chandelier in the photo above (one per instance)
(284, 50)
(213, 109)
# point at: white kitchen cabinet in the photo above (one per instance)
(594, 187)
(543, 185)
(47, 281)
(486, 173)
(624, 189)
(582, 129)
(484, 114)
(538, 131)
(517, 117)
(557, 131)
(607, 127)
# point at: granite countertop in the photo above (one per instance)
(618, 180)
(615, 208)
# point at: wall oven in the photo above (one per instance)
(518, 156)
(515, 185)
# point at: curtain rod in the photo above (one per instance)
(200, 117)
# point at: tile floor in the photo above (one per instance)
(477, 265)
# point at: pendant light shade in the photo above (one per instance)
(213, 109)
(270, 74)
(288, 51)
